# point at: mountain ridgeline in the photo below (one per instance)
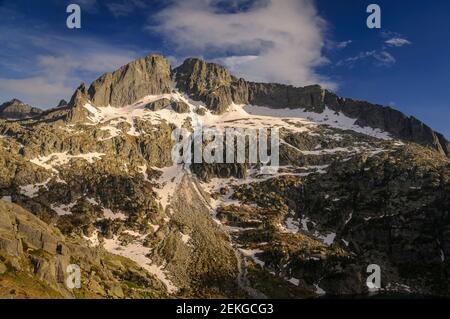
(214, 85)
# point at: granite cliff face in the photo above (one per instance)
(85, 183)
(146, 76)
(214, 85)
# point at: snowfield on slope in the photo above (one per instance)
(238, 116)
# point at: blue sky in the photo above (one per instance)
(404, 64)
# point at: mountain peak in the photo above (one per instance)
(144, 76)
(62, 103)
(16, 109)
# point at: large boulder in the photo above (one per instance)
(180, 107)
(158, 104)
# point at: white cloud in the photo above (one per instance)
(270, 41)
(384, 58)
(397, 42)
(379, 58)
(343, 44)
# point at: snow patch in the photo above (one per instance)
(319, 290)
(185, 238)
(138, 253)
(93, 241)
(109, 214)
(327, 239)
(251, 253)
(53, 160)
(31, 190)
(63, 209)
(294, 281)
(168, 182)
(327, 117)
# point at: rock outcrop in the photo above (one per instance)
(16, 109)
(210, 83)
(214, 85)
(34, 257)
(145, 76)
(76, 111)
(158, 104)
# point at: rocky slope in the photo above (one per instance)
(34, 257)
(358, 184)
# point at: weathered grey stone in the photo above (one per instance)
(389, 120)
(180, 107)
(158, 105)
(77, 113)
(200, 111)
(208, 82)
(16, 109)
(145, 76)
(214, 85)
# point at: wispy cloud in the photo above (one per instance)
(384, 58)
(343, 44)
(262, 40)
(378, 58)
(397, 42)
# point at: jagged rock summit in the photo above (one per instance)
(16, 109)
(145, 76)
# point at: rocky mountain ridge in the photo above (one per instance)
(214, 85)
(217, 88)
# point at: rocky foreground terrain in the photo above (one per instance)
(92, 183)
